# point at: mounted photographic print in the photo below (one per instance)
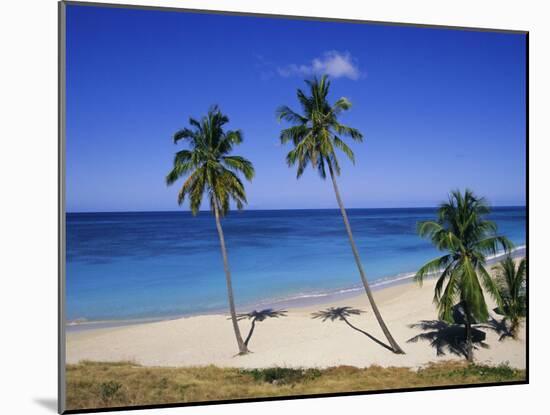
(258, 207)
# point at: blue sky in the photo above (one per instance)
(439, 109)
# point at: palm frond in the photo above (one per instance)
(449, 298)
(490, 285)
(183, 134)
(432, 267)
(285, 113)
(490, 245)
(240, 164)
(338, 143)
(348, 131)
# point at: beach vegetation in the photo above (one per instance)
(463, 231)
(211, 171)
(315, 135)
(283, 375)
(108, 390)
(141, 385)
(511, 283)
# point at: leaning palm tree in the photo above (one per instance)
(257, 317)
(511, 285)
(210, 170)
(316, 134)
(462, 230)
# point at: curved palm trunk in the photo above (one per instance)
(242, 346)
(252, 327)
(393, 343)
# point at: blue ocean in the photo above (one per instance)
(140, 265)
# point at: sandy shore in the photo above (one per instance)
(293, 341)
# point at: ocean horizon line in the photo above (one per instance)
(283, 209)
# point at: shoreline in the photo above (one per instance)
(298, 340)
(295, 301)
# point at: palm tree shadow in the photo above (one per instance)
(448, 338)
(342, 313)
(499, 327)
(259, 316)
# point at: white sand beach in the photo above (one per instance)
(293, 341)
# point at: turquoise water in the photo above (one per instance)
(159, 264)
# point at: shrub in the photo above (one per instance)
(282, 375)
(107, 390)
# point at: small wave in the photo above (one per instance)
(375, 284)
(295, 298)
(503, 253)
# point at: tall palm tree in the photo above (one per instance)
(511, 286)
(210, 170)
(316, 134)
(462, 230)
(257, 317)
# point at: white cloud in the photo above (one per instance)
(332, 63)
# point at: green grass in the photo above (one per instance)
(100, 385)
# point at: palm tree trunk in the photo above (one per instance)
(242, 346)
(514, 327)
(393, 343)
(469, 346)
(250, 332)
(468, 325)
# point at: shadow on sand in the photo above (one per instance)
(259, 316)
(499, 327)
(342, 313)
(448, 338)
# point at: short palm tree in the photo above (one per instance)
(259, 316)
(315, 135)
(463, 232)
(210, 170)
(511, 285)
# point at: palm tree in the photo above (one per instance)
(259, 316)
(315, 135)
(210, 170)
(462, 230)
(511, 286)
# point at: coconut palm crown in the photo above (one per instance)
(208, 165)
(462, 230)
(317, 133)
